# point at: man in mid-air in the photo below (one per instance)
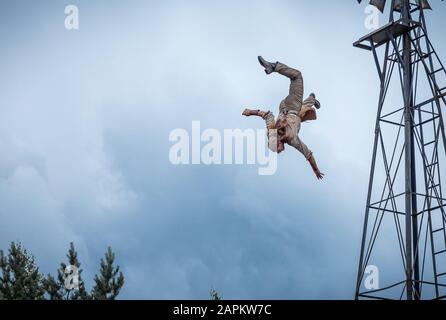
(292, 112)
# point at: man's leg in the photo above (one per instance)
(312, 101)
(297, 83)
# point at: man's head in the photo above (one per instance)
(281, 133)
(281, 125)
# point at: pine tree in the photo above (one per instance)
(57, 289)
(52, 288)
(20, 278)
(214, 295)
(110, 280)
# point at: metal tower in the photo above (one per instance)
(405, 220)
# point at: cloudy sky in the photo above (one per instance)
(85, 118)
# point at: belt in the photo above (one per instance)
(291, 112)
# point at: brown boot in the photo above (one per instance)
(315, 168)
(250, 113)
(269, 66)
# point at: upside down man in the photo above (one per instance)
(293, 111)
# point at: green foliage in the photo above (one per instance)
(214, 295)
(20, 278)
(110, 280)
(56, 288)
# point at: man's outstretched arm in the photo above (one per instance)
(315, 168)
(257, 113)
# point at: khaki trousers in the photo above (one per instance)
(289, 109)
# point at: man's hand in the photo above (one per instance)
(249, 112)
(317, 172)
(319, 175)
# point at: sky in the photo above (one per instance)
(85, 118)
